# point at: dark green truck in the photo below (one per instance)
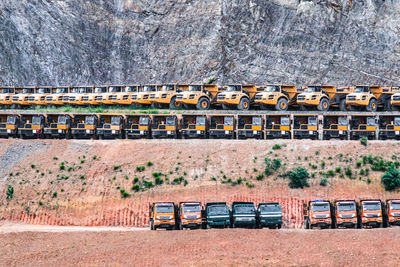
(243, 215)
(217, 214)
(269, 215)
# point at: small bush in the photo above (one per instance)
(10, 192)
(82, 177)
(178, 180)
(62, 190)
(62, 166)
(361, 172)
(391, 179)
(369, 180)
(94, 157)
(323, 182)
(239, 180)
(249, 185)
(330, 173)
(184, 173)
(260, 177)
(185, 183)
(255, 170)
(135, 188)
(149, 184)
(116, 167)
(135, 180)
(40, 203)
(348, 172)
(358, 164)
(363, 141)
(276, 146)
(158, 180)
(149, 164)
(82, 161)
(276, 164)
(298, 178)
(338, 169)
(124, 194)
(140, 168)
(316, 153)
(55, 194)
(213, 179)
(55, 158)
(70, 169)
(322, 164)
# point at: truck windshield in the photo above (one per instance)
(8, 90)
(319, 207)
(394, 205)
(191, 207)
(313, 89)
(195, 88)
(129, 89)
(244, 208)
(228, 121)
(168, 88)
(397, 121)
(346, 206)
(75, 90)
(89, 120)
(84, 90)
(143, 121)
(312, 121)
(285, 121)
(256, 121)
(98, 90)
(61, 90)
(165, 208)
(270, 208)
(11, 120)
(271, 89)
(27, 91)
(369, 206)
(114, 89)
(342, 121)
(62, 120)
(115, 120)
(36, 120)
(361, 89)
(201, 120)
(170, 121)
(44, 90)
(234, 88)
(217, 210)
(371, 121)
(151, 88)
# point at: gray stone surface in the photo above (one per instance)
(63, 42)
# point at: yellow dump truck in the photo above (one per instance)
(322, 97)
(363, 126)
(166, 96)
(21, 99)
(335, 126)
(9, 125)
(110, 98)
(222, 126)
(371, 97)
(58, 125)
(305, 126)
(111, 126)
(194, 126)
(84, 126)
(138, 126)
(39, 97)
(6, 94)
(57, 96)
(238, 96)
(80, 95)
(278, 126)
(142, 98)
(250, 126)
(395, 102)
(93, 97)
(164, 126)
(125, 96)
(279, 97)
(31, 126)
(389, 127)
(201, 96)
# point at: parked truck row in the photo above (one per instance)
(229, 126)
(205, 96)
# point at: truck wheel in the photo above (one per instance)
(282, 104)
(244, 104)
(203, 104)
(372, 105)
(173, 104)
(323, 105)
(342, 105)
(152, 226)
(303, 108)
(225, 107)
(305, 224)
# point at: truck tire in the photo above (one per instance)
(282, 104)
(173, 104)
(152, 226)
(342, 105)
(305, 224)
(323, 105)
(244, 104)
(203, 104)
(279, 226)
(372, 105)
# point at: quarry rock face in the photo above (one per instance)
(74, 42)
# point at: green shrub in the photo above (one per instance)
(157, 174)
(366, 171)
(33, 166)
(338, 169)
(298, 178)
(369, 180)
(55, 158)
(260, 177)
(276, 164)
(55, 194)
(148, 184)
(158, 180)
(276, 146)
(116, 167)
(149, 164)
(62, 190)
(391, 179)
(323, 182)
(322, 164)
(135, 180)
(178, 180)
(140, 168)
(255, 170)
(348, 172)
(358, 164)
(40, 203)
(362, 172)
(330, 173)
(213, 179)
(10, 192)
(82, 177)
(124, 194)
(316, 153)
(82, 161)
(363, 141)
(62, 166)
(239, 180)
(184, 173)
(185, 183)
(249, 185)
(94, 157)
(135, 188)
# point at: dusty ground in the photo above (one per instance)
(229, 247)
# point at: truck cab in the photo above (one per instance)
(363, 126)
(346, 214)
(39, 97)
(189, 214)
(57, 96)
(125, 96)
(31, 126)
(238, 96)
(217, 215)
(162, 215)
(110, 97)
(201, 96)
(9, 125)
(164, 126)
(138, 126)
(84, 126)
(58, 126)
(166, 96)
(317, 213)
(194, 126)
(370, 97)
(250, 126)
(143, 96)
(111, 126)
(393, 211)
(279, 97)
(371, 213)
(389, 127)
(23, 98)
(222, 126)
(305, 126)
(278, 126)
(269, 215)
(335, 126)
(243, 215)
(96, 97)
(80, 95)
(6, 95)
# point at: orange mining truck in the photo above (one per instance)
(166, 96)
(21, 99)
(279, 97)
(317, 213)
(9, 125)
(345, 214)
(201, 96)
(305, 126)
(238, 96)
(125, 96)
(393, 212)
(370, 212)
(371, 97)
(189, 215)
(110, 97)
(164, 126)
(278, 126)
(56, 98)
(194, 126)
(96, 97)
(163, 215)
(142, 97)
(222, 126)
(39, 98)
(395, 101)
(58, 126)
(250, 126)
(322, 97)
(111, 126)
(31, 126)
(80, 95)
(335, 126)
(84, 126)
(6, 94)
(363, 126)
(138, 126)
(389, 127)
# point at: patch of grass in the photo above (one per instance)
(391, 179)
(124, 193)
(260, 177)
(55, 158)
(149, 164)
(55, 194)
(140, 168)
(276, 147)
(323, 182)
(364, 141)
(33, 166)
(338, 169)
(348, 172)
(249, 185)
(330, 173)
(135, 188)
(10, 192)
(178, 180)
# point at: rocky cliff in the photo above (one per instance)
(255, 41)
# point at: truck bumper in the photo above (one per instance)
(389, 134)
(26, 132)
(108, 133)
(321, 224)
(136, 133)
(55, 132)
(194, 133)
(221, 134)
(245, 223)
(163, 134)
(83, 132)
(305, 134)
(243, 134)
(278, 134)
(7, 132)
(346, 224)
(372, 224)
(358, 134)
(335, 134)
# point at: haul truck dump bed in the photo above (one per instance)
(370, 97)
(238, 96)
